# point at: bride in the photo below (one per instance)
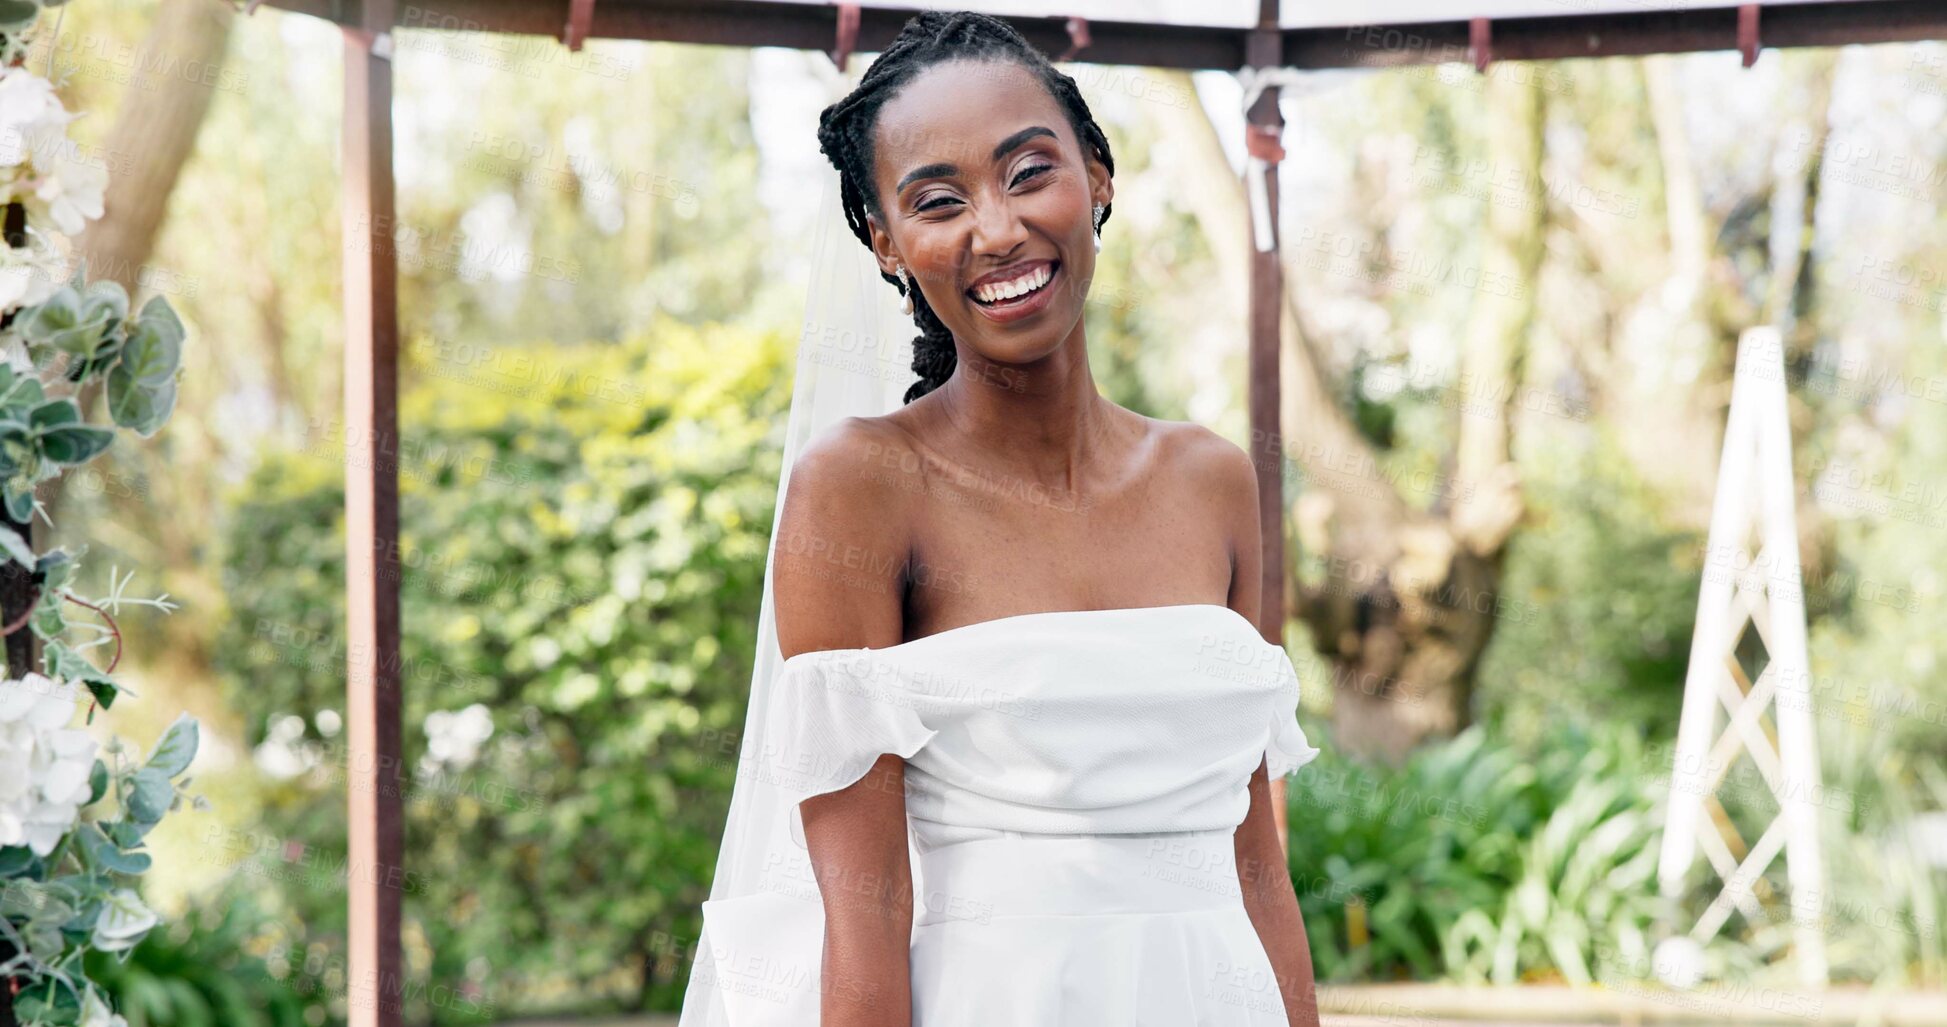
(1012, 727)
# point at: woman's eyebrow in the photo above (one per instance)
(947, 170)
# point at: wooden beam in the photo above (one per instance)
(812, 26)
(1267, 302)
(373, 768)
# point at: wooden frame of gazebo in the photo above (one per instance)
(377, 826)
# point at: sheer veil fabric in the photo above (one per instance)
(854, 360)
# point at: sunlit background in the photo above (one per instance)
(602, 267)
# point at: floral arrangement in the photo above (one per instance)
(73, 815)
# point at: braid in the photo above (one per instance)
(845, 135)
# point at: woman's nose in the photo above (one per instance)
(998, 228)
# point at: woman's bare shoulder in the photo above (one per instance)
(1203, 459)
(856, 468)
(843, 542)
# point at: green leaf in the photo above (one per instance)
(75, 443)
(149, 795)
(56, 568)
(20, 503)
(17, 548)
(177, 748)
(55, 412)
(105, 855)
(136, 405)
(97, 780)
(104, 301)
(73, 324)
(17, 14)
(155, 344)
(102, 689)
(15, 860)
(19, 393)
(125, 834)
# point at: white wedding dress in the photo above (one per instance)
(1073, 783)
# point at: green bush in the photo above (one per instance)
(1474, 861)
(583, 530)
(198, 972)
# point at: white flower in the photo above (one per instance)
(27, 103)
(123, 921)
(95, 1013)
(29, 275)
(47, 170)
(44, 765)
(69, 187)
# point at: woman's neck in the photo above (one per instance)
(1045, 420)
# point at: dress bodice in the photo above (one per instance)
(1094, 721)
(1102, 726)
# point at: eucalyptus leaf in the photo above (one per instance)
(17, 548)
(56, 568)
(15, 860)
(97, 780)
(125, 834)
(73, 324)
(75, 443)
(54, 412)
(153, 350)
(20, 393)
(136, 405)
(17, 14)
(20, 503)
(177, 748)
(149, 795)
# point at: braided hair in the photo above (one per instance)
(845, 135)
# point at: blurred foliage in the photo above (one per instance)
(1475, 861)
(1592, 566)
(198, 972)
(583, 532)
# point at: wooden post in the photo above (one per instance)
(17, 594)
(373, 768)
(1264, 49)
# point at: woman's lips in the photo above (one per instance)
(1025, 305)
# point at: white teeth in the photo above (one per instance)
(998, 291)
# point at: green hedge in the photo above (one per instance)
(583, 532)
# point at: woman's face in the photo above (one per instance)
(986, 199)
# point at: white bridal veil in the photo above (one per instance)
(854, 360)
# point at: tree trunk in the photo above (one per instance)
(1409, 597)
(154, 133)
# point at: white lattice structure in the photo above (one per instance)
(1755, 502)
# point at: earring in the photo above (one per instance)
(1098, 228)
(900, 270)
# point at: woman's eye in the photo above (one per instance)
(1030, 172)
(935, 203)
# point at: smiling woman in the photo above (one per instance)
(1012, 761)
(978, 185)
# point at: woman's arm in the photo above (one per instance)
(838, 581)
(1273, 905)
(1262, 872)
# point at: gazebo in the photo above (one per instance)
(1254, 38)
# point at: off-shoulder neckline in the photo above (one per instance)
(1018, 617)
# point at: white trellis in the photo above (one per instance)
(1755, 502)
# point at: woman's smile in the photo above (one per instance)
(1015, 292)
